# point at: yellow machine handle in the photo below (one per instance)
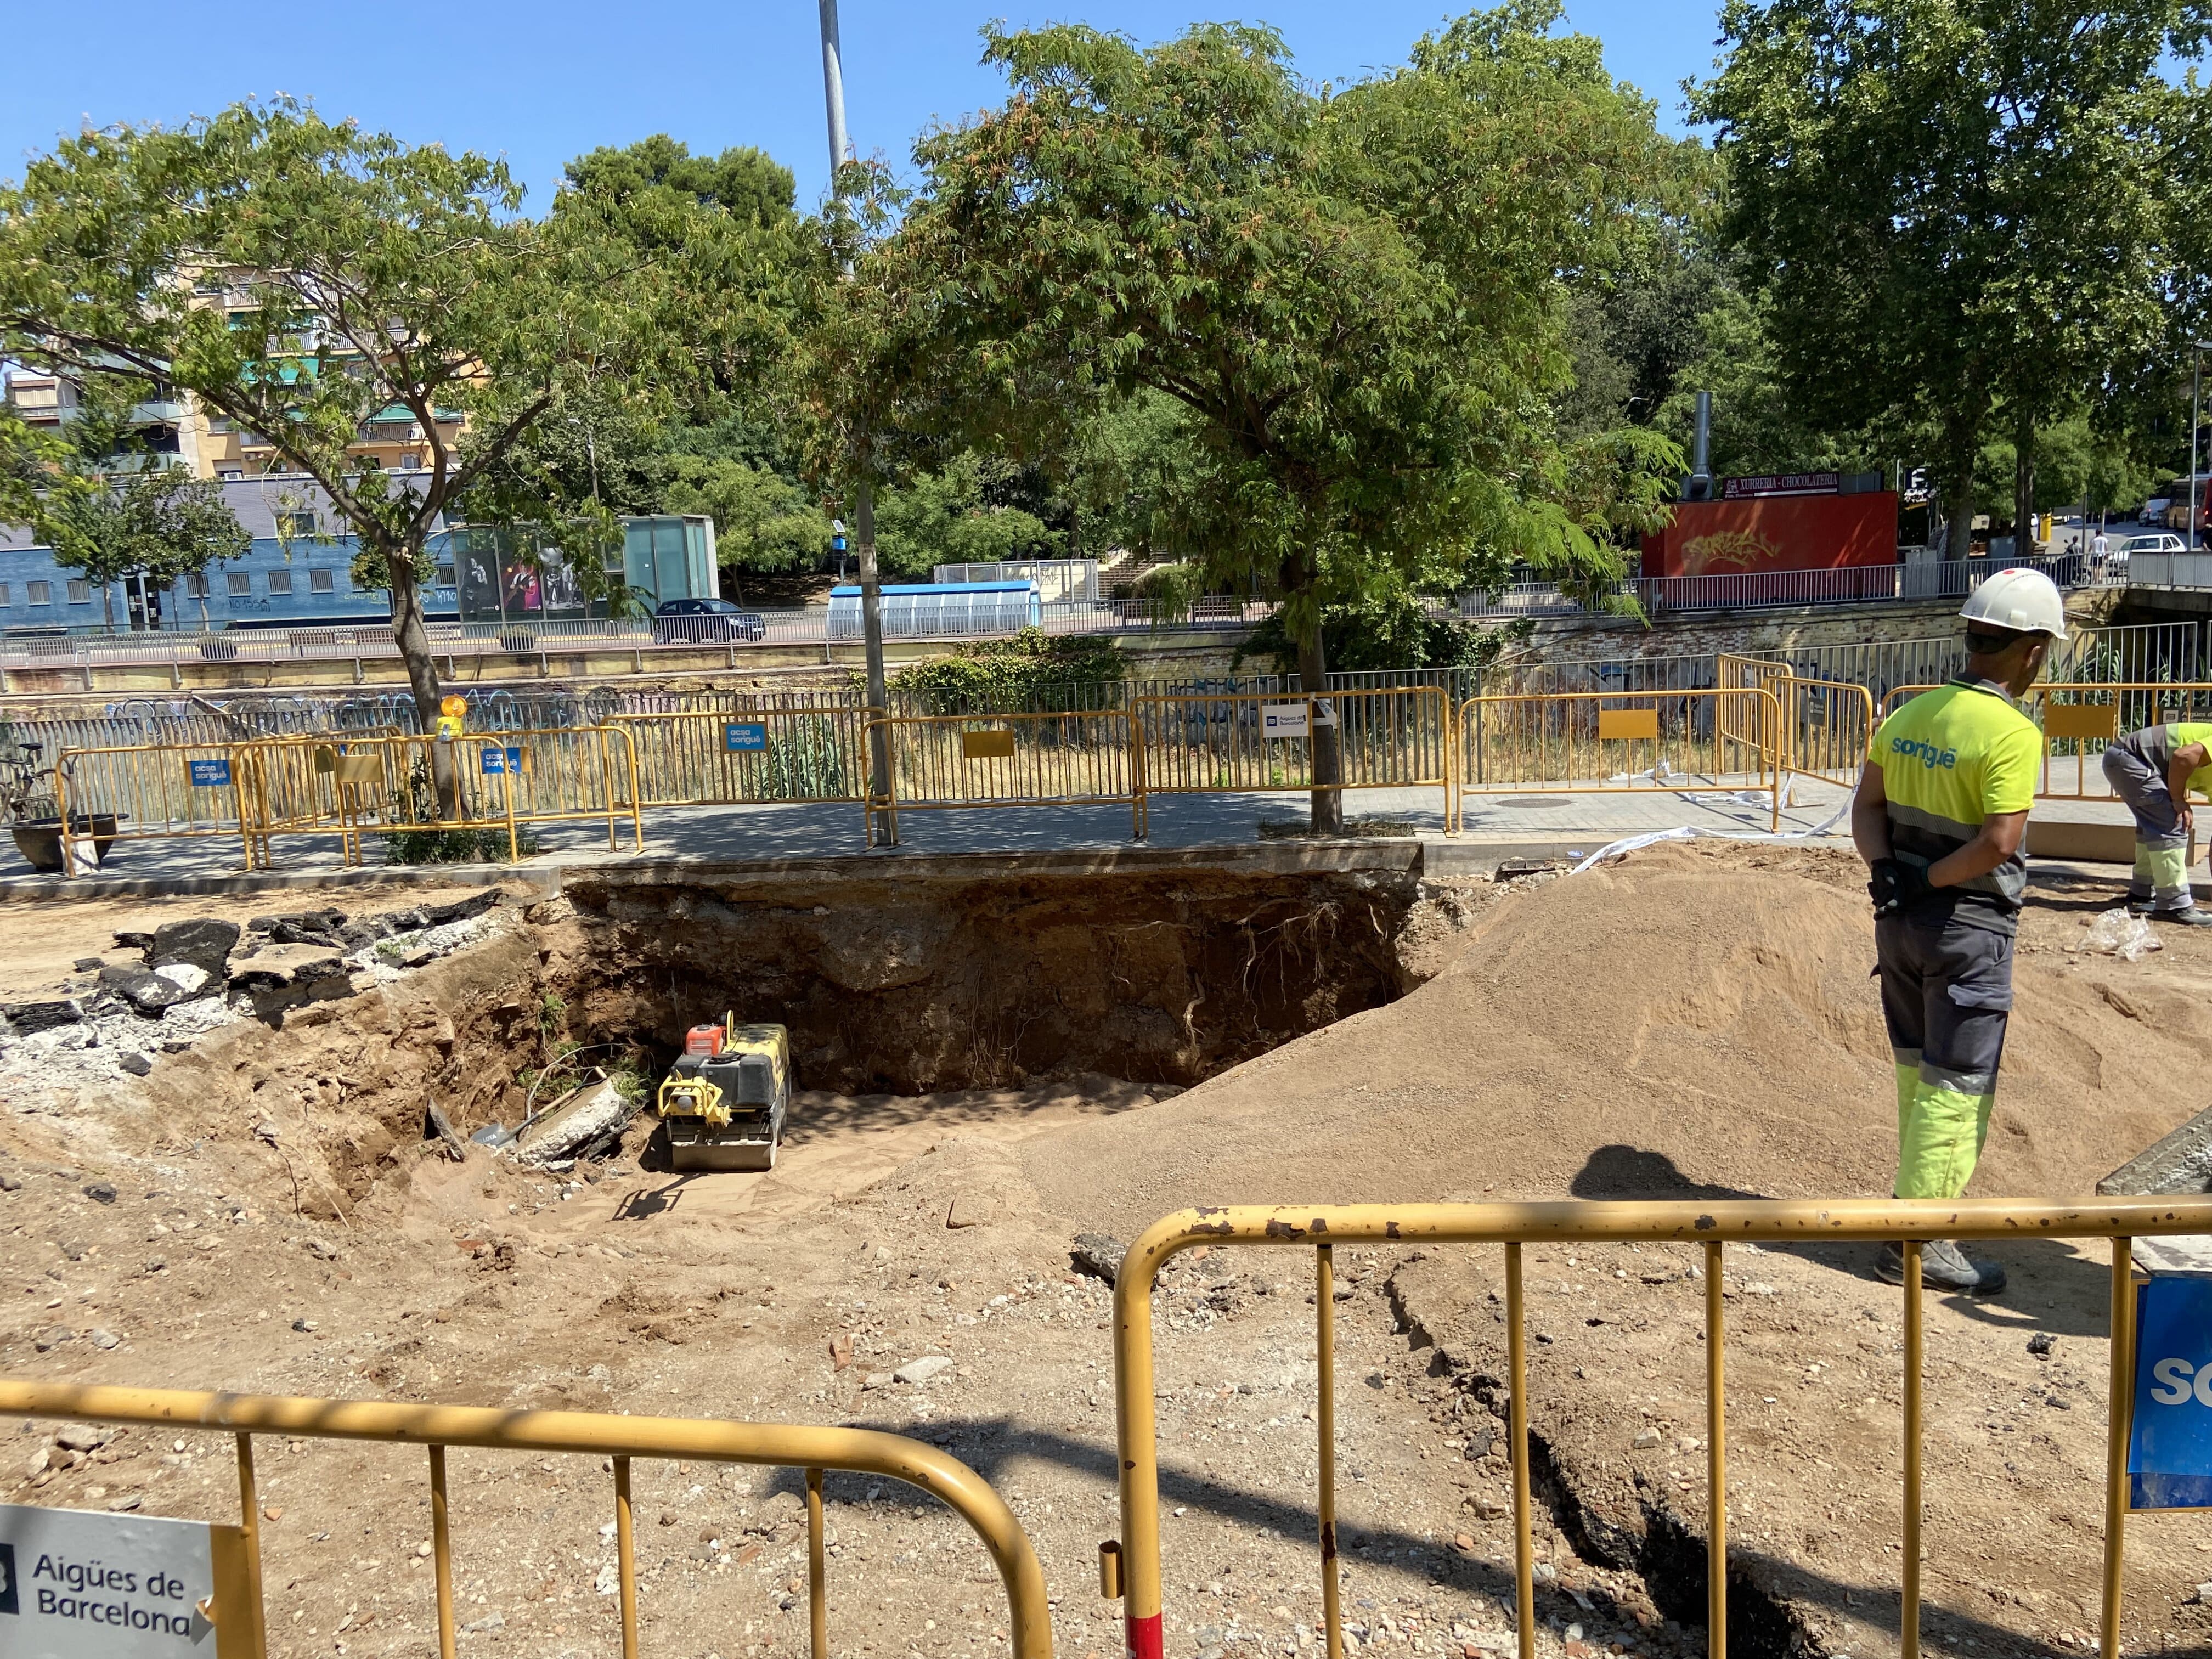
(698, 1095)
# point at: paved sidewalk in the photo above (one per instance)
(1494, 825)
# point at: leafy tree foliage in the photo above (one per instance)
(300, 277)
(946, 518)
(108, 506)
(1951, 206)
(1355, 300)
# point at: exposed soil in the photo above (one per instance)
(1696, 1020)
(901, 984)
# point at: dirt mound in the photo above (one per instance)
(1690, 1022)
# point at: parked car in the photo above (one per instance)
(705, 621)
(2116, 560)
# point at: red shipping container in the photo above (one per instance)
(1775, 533)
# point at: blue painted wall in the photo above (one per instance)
(260, 605)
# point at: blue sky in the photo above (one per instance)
(543, 82)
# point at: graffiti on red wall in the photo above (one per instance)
(1775, 533)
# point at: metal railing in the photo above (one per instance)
(438, 1428)
(1604, 743)
(1398, 737)
(1130, 1567)
(139, 792)
(1752, 590)
(522, 636)
(1827, 726)
(2079, 719)
(943, 762)
(748, 757)
(351, 784)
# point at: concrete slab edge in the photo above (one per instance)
(29, 889)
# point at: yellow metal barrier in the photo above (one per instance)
(1388, 738)
(549, 775)
(1131, 1565)
(743, 756)
(238, 1615)
(346, 783)
(1565, 743)
(1826, 726)
(2080, 713)
(153, 793)
(939, 762)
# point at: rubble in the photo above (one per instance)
(1098, 1254)
(579, 1120)
(201, 942)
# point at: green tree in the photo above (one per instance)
(300, 277)
(108, 506)
(943, 518)
(1951, 209)
(764, 524)
(1356, 299)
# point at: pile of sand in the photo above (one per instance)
(1680, 1025)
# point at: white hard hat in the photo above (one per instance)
(2022, 601)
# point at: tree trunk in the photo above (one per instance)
(2023, 490)
(422, 676)
(872, 635)
(1321, 740)
(107, 603)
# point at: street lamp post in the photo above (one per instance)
(864, 492)
(2196, 419)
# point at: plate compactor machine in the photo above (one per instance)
(723, 1103)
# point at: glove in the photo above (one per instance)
(1895, 887)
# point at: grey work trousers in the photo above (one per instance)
(2161, 872)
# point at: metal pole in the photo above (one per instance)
(1716, 1463)
(1517, 1364)
(818, 1595)
(871, 631)
(2120, 1404)
(833, 89)
(1915, 1364)
(2197, 386)
(864, 492)
(442, 1547)
(1325, 1417)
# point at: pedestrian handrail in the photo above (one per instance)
(1613, 742)
(812, 1448)
(1130, 1567)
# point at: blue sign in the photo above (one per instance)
(2170, 1444)
(210, 774)
(745, 738)
(499, 762)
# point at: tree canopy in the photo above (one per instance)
(1354, 299)
(1953, 210)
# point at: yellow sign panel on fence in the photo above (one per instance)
(1628, 722)
(2080, 720)
(987, 745)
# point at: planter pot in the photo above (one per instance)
(39, 839)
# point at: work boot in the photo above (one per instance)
(2192, 917)
(2138, 906)
(1944, 1267)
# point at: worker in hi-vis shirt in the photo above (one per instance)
(2155, 770)
(1939, 817)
